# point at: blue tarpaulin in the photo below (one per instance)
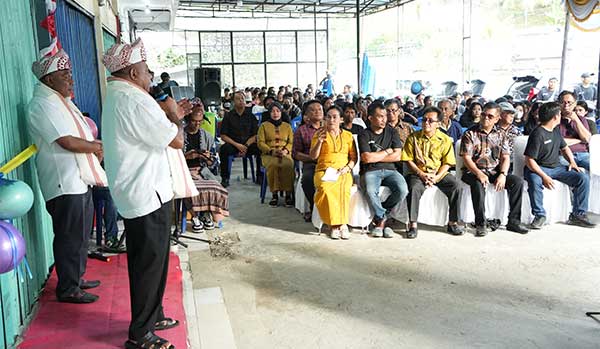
(367, 76)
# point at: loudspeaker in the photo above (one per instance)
(207, 85)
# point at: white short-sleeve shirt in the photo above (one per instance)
(57, 168)
(136, 134)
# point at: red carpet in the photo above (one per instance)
(102, 324)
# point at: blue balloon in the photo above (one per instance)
(12, 247)
(416, 87)
(16, 198)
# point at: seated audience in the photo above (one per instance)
(348, 123)
(334, 150)
(238, 132)
(448, 124)
(576, 130)
(506, 126)
(212, 203)
(472, 114)
(313, 115)
(275, 143)
(394, 119)
(532, 118)
(486, 156)
(429, 153)
(380, 148)
(543, 167)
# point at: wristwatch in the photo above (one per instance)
(503, 173)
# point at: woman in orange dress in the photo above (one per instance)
(335, 152)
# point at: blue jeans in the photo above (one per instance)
(370, 183)
(581, 159)
(110, 211)
(579, 183)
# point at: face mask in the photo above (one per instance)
(286, 105)
(519, 115)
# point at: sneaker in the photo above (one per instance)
(345, 232)
(388, 233)
(580, 220)
(481, 231)
(335, 234)
(197, 225)
(113, 246)
(377, 232)
(208, 222)
(493, 224)
(537, 222)
(455, 229)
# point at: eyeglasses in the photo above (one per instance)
(488, 115)
(429, 121)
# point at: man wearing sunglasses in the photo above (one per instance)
(429, 153)
(486, 154)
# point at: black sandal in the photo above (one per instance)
(274, 201)
(149, 341)
(165, 324)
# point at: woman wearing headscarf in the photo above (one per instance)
(275, 139)
(335, 152)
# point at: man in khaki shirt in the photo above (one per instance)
(429, 153)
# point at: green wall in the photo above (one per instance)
(17, 52)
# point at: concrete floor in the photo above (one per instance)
(290, 288)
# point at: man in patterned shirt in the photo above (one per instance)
(394, 118)
(313, 113)
(485, 151)
(506, 126)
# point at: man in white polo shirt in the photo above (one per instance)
(136, 135)
(52, 120)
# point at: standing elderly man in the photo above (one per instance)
(313, 113)
(137, 133)
(486, 157)
(66, 149)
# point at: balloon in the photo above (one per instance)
(416, 87)
(12, 247)
(16, 198)
(93, 126)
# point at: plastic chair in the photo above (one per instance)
(245, 164)
(594, 205)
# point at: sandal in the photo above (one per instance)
(165, 324)
(149, 341)
(274, 201)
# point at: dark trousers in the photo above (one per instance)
(308, 182)
(514, 186)
(102, 194)
(227, 149)
(148, 263)
(72, 217)
(448, 185)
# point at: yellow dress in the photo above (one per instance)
(333, 198)
(280, 171)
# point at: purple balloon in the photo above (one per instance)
(12, 247)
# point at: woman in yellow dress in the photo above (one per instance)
(334, 149)
(275, 140)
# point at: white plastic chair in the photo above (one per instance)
(301, 204)
(496, 202)
(557, 202)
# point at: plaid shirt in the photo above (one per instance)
(404, 130)
(302, 138)
(485, 149)
(510, 133)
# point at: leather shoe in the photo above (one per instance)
(412, 232)
(87, 284)
(455, 229)
(481, 231)
(79, 297)
(517, 227)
